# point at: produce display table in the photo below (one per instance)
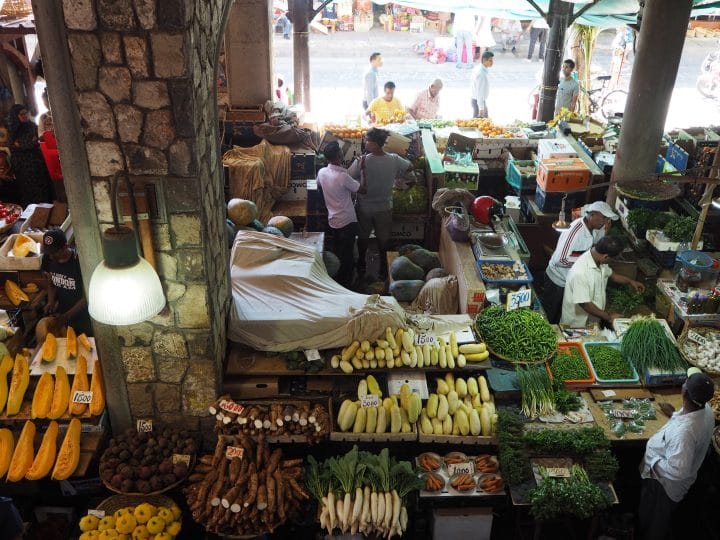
(670, 395)
(679, 308)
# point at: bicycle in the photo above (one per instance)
(600, 103)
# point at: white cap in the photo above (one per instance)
(603, 208)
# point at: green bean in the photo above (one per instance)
(608, 362)
(521, 335)
(646, 344)
(569, 365)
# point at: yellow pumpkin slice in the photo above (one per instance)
(23, 455)
(18, 385)
(71, 343)
(49, 348)
(80, 382)
(43, 396)
(7, 445)
(69, 454)
(97, 387)
(6, 366)
(85, 342)
(61, 394)
(45, 457)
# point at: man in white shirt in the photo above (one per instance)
(480, 87)
(370, 79)
(582, 234)
(584, 297)
(337, 189)
(464, 26)
(568, 89)
(673, 456)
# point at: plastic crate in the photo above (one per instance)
(486, 279)
(562, 174)
(653, 377)
(664, 259)
(677, 157)
(558, 357)
(635, 378)
(552, 201)
(524, 183)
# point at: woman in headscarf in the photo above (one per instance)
(31, 175)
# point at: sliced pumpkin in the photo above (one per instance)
(69, 455)
(23, 455)
(7, 445)
(45, 457)
(61, 394)
(14, 293)
(6, 366)
(49, 348)
(18, 385)
(85, 342)
(80, 382)
(43, 396)
(71, 346)
(24, 245)
(97, 387)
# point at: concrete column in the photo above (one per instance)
(659, 49)
(249, 53)
(300, 11)
(16, 84)
(558, 18)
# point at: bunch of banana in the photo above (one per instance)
(398, 350)
(393, 414)
(460, 407)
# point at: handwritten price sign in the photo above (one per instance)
(231, 406)
(697, 338)
(519, 299)
(422, 339)
(97, 513)
(461, 468)
(82, 396)
(371, 400)
(234, 452)
(181, 458)
(144, 426)
(620, 413)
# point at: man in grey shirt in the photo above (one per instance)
(370, 79)
(568, 89)
(374, 208)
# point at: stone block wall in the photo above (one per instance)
(144, 75)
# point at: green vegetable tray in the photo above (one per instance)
(566, 347)
(634, 379)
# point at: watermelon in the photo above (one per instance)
(436, 273)
(273, 230)
(404, 268)
(408, 248)
(425, 259)
(241, 211)
(406, 290)
(283, 223)
(257, 225)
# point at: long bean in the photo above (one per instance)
(646, 345)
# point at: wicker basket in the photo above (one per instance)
(15, 209)
(501, 357)
(689, 358)
(116, 502)
(151, 493)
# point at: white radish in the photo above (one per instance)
(388, 510)
(403, 519)
(332, 516)
(381, 510)
(365, 514)
(357, 507)
(323, 517)
(373, 507)
(397, 503)
(339, 510)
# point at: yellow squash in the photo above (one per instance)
(23, 455)
(43, 396)
(69, 454)
(24, 245)
(45, 457)
(71, 343)
(14, 293)
(61, 394)
(7, 445)
(85, 342)
(6, 366)
(18, 385)
(80, 382)
(49, 348)
(97, 387)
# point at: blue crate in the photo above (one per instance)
(634, 379)
(677, 157)
(552, 201)
(480, 262)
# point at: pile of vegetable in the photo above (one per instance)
(391, 415)
(244, 489)
(536, 390)
(624, 299)
(706, 354)
(646, 345)
(609, 362)
(569, 365)
(521, 335)
(362, 492)
(680, 229)
(568, 442)
(575, 496)
(512, 453)
(641, 219)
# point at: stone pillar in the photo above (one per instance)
(249, 53)
(659, 48)
(559, 13)
(138, 96)
(300, 10)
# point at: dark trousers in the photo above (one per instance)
(552, 298)
(537, 34)
(344, 248)
(656, 511)
(477, 113)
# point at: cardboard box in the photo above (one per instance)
(297, 191)
(252, 388)
(47, 216)
(408, 229)
(462, 523)
(555, 148)
(458, 259)
(562, 174)
(461, 176)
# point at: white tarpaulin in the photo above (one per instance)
(284, 299)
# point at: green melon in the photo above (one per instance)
(273, 230)
(283, 223)
(241, 211)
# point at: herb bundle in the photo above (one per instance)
(568, 442)
(646, 344)
(565, 401)
(575, 496)
(641, 219)
(624, 299)
(601, 465)
(680, 229)
(514, 459)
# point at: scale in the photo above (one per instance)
(483, 251)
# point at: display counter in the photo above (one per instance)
(679, 308)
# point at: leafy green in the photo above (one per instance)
(601, 465)
(680, 229)
(572, 442)
(575, 496)
(641, 219)
(514, 459)
(565, 401)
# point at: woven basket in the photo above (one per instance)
(151, 493)
(116, 502)
(689, 358)
(656, 190)
(15, 209)
(501, 357)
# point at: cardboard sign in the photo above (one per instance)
(609, 393)
(558, 472)
(181, 458)
(519, 299)
(234, 452)
(313, 355)
(144, 426)
(621, 413)
(97, 513)
(461, 468)
(697, 338)
(82, 396)
(423, 338)
(231, 406)
(371, 400)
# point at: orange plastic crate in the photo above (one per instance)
(562, 174)
(564, 346)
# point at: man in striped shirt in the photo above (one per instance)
(427, 102)
(583, 234)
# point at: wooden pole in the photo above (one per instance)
(706, 201)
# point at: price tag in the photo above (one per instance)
(558, 472)
(234, 452)
(461, 468)
(519, 299)
(371, 400)
(144, 426)
(697, 338)
(97, 513)
(82, 396)
(181, 458)
(609, 393)
(313, 355)
(423, 338)
(620, 413)
(231, 406)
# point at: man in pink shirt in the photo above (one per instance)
(337, 189)
(427, 102)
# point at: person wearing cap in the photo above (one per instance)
(584, 296)
(673, 456)
(66, 304)
(583, 233)
(427, 102)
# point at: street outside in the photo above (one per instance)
(337, 62)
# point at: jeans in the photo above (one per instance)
(344, 248)
(285, 24)
(477, 111)
(537, 34)
(656, 511)
(464, 39)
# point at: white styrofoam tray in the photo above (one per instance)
(38, 367)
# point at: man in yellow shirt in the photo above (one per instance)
(386, 108)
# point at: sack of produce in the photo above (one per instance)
(439, 296)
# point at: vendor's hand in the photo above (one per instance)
(667, 409)
(48, 309)
(639, 287)
(613, 316)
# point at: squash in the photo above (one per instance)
(14, 293)
(406, 290)
(61, 394)
(85, 342)
(43, 396)
(69, 454)
(22, 457)
(80, 382)
(6, 366)
(45, 457)
(24, 245)
(97, 387)
(403, 268)
(49, 348)
(283, 223)
(241, 212)
(18, 385)
(436, 273)
(427, 260)
(7, 445)
(71, 343)
(407, 249)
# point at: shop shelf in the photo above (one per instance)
(567, 346)
(634, 379)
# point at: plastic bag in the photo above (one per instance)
(457, 223)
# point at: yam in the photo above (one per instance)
(403, 268)
(406, 290)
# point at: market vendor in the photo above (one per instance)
(374, 208)
(584, 297)
(427, 102)
(582, 234)
(66, 304)
(387, 107)
(337, 189)
(673, 456)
